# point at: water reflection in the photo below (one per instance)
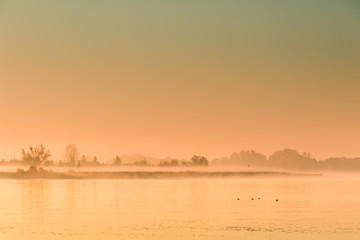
(35, 199)
(199, 196)
(179, 209)
(72, 195)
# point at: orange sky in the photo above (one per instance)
(180, 78)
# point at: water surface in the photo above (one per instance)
(315, 208)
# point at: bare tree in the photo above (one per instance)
(35, 156)
(72, 154)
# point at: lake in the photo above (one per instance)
(314, 208)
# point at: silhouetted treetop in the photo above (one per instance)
(243, 158)
(117, 161)
(35, 156)
(289, 158)
(72, 154)
(199, 161)
(171, 163)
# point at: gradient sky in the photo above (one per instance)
(176, 78)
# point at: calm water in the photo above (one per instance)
(322, 208)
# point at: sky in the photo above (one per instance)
(177, 78)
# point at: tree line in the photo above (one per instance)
(37, 156)
(288, 159)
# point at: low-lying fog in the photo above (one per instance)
(209, 169)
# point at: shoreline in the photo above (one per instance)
(150, 175)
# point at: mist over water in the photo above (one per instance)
(315, 208)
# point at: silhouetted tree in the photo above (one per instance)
(340, 164)
(83, 160)
(71, 154)
(199, 161)
(171, 163)
(291, 159)
(243, 158)
(95, 161)
(117, 161)
(142, 163)
(185, 163)
(35, 156)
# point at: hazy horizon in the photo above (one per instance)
(140, 156)
(177, 78)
